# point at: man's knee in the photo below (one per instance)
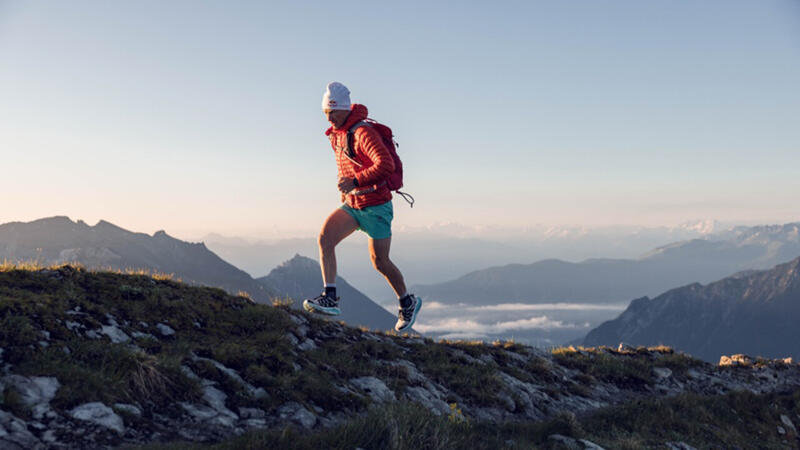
(381, 264)
(325, 242)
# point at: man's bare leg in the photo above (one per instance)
(379, 253)
(337, 226)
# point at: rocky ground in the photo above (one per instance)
(98, 360)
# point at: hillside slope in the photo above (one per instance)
(92, 360)
(753, 312)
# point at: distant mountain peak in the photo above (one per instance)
(299, 261)
(105, 225)
(703, 226)
(754, 311)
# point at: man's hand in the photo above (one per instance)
(346, 184)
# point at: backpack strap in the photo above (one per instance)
(406, 196)
(351, 151)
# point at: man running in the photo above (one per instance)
(367, 204)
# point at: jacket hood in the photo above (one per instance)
(358, 112)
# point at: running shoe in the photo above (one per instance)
(407, 316)
(322, 304)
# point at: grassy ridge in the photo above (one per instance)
(52, 323)
(737, 420)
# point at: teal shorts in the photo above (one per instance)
(376, 220)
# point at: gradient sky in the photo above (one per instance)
(195, 116)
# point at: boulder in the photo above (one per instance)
(296, 413)
(375, 388)
(35, 392)
(99, 414)
(14, 434)
(165, 330)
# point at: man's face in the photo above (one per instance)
(336, 117)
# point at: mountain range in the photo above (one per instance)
(755, 312)
(615, 280)
(58, 240)
(446, 251)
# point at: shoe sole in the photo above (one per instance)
(413, 316)
(310, 307)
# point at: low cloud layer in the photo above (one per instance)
(511, 307)
(475, 328)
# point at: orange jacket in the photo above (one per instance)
(371, 165)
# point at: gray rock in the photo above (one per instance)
(488, 414)
(99, 414)
(252, 413)
(92, 334)
(14, 434)
(199, 413)
(507, 401)
(414, 375)
(256, 392)
(296, 413)
(292, 339)
(625, 348)
(140, 335)
(662, 373)
(73, 326)
(589, 445)
(788, 423)
(429, 400)
(297, 319)
(463, 355)
(255, 423)
(208, 415)
(573, 444)
(36, 392)
(117, 336)
(375, 388)
(568, 442)
(781, 430)
(307, 345)
(165, 330)
(128, 408)
(49, 436)
(76, 312)
(679, 446)
(216, 399)
(302, 331)
(736, 360)
(528, 395)
(190, 374)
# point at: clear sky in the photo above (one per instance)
(200, 116)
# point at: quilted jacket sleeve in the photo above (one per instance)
(368, 141)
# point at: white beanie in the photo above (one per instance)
(337, 96)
